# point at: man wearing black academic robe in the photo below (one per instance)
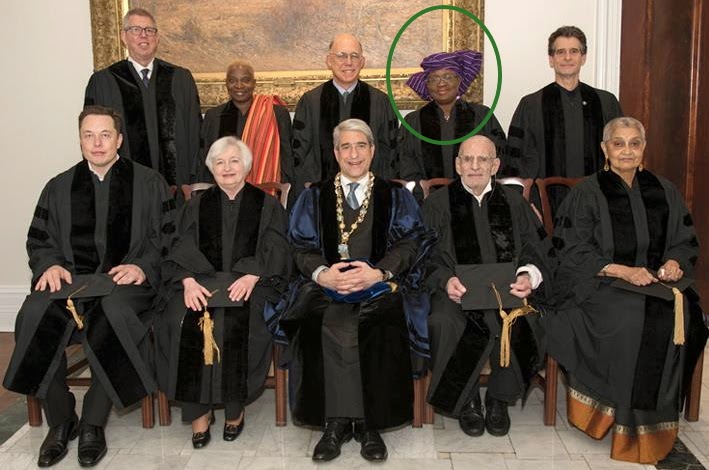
(419, 160)
(502, 228)
(87, 225)
(244, 235)
(316, 115)
(162, 120)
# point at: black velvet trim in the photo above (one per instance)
(516, 132)
(466, 243)
(229, 120)
(41, 213)
(168, 206)
(210, 226)
(37, 234)
(693, 242)
(114, 360)
(462, 364)
(381, 210)
(593, 123)
(168, 228)
(83, 220)
(554, 131)
(298, 124)
(658, 212)
(687, 220)
(235, 354)
(558, 243)
(41, 350)
(525, 349)
(624, 237)
(136, 130)
(246, 235)
(166, 120)
(120, 210)
(541, 232)
(693, 260)
(361, 103)
(465, 121)
(657, 328)
(190, 359)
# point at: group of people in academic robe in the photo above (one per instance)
(364, 285)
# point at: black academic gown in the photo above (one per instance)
(226, 119)
(242, 236)
(503, 229)
(555, 132)
(419, 160)
(625, 373)
(316, 115)
(386, 328)
(161, 123)
(67, 230)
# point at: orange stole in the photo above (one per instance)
(647, 444)
(261, 135)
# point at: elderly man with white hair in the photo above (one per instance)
(231, 238)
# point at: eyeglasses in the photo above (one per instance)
(438, 79)
(482, 159)
(343, 56)
(562, 52)
(149, 31)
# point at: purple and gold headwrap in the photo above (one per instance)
(466, 63)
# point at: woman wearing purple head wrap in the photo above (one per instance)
(445, 78)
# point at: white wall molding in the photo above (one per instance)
(11, 298)
(607, 44)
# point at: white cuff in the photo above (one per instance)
(535, 275)
(317, 272)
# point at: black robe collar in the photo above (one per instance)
(83, 217)
(621, 215)
(134, 115)
(465, 121)
(555, 134)
(246, 234)
(330, 117)
(381, 209)
(229, 120)
(467, 246)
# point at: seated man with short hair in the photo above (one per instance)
(356, 313)
(105, 215)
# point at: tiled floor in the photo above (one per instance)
(529, 446)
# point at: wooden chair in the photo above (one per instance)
(276, 377)
(544, 185)
(427, 186)
(410, 185)
(76, 365)
(525, 183)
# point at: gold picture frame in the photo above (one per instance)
(457, 32)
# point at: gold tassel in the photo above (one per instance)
(206, 324)
(508, 319)
(72, 308)
(679, 316)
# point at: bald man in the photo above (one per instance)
(343, 97)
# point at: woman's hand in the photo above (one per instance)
(242, 288)
(522, 287)
(670, 271)
(196, 295)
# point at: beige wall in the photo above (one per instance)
(46, 56)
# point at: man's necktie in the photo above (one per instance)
(345, 95)
(351, 198)
(146, 79)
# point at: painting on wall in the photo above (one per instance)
(287, 41)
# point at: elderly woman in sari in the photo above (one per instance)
(445, 78)
(232, 237)
(621, 235)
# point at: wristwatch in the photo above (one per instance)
(604, 269)
(386, 275)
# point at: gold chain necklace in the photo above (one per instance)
(342, 248)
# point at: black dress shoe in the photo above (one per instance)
(337, 432)
(54, 447)
(373, 447)
(201, 439)
(472, 419)
(92, 445)
(232, 431)
(497, 420)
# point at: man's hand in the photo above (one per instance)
(670, 271)
(242, 287)
(125, 274)
(357, 276)
(522, 288)
(455, 289)
(637, 276)
(53, 277)
(195, 294)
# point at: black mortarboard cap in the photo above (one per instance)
(477, 279)
(85, 286)
(219, 282)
